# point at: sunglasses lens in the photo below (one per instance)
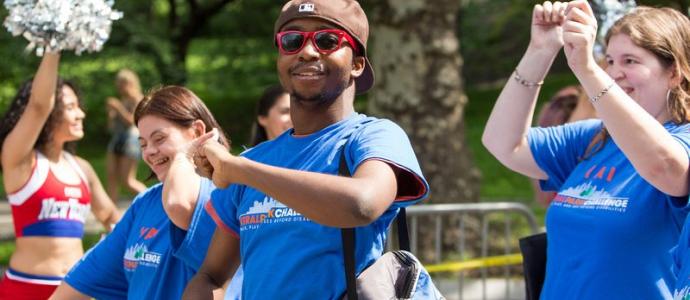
(326, 40)
(291, 42)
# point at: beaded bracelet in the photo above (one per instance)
(525, 82)
(602, 93)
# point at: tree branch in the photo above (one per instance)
(198, 18)
(173, 18)
(214, 7)
(193, 6)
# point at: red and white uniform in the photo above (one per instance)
(21, 286)
(46, 206)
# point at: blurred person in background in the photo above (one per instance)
(272, 115)
(123, 152)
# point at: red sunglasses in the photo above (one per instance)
(325, 41)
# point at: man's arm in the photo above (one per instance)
(221, 261)
(326, 199)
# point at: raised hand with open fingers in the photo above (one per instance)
(579, 35)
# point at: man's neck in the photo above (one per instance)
(308, 118)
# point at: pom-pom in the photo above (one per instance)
(55, 25)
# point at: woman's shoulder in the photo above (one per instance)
(674, 128)
(83, 164)
(587, 123)
(153, 193)
(582, 126)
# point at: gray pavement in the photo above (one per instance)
(474, 289)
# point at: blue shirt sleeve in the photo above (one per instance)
(99, 273)
(557, 150)
(384, 140)
(682, 135)
(223, 208)
(680, 205)
(191, 245)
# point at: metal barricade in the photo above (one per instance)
(482, 211)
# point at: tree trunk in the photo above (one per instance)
(183, 28)
(415, 53)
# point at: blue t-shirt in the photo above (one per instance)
(146, 256)
(609, 230)
(681, 264)
(284, 254)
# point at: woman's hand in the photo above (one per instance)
(579, 34)
(112, 103)
(547, 30)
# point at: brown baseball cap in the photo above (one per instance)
(346, 14)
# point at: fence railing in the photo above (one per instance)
(483, 214)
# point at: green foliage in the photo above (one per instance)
(253, 18)
(681, 5)
(228, 67)
(230, 75)
(493, 35)
(6, 250)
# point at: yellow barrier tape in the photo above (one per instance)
(491, 261)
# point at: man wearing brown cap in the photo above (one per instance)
(285, 205)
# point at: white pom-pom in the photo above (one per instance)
(607, 13)
(54, 25)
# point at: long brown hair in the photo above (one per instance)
(180, 106)
(18, 105)
(665, 33)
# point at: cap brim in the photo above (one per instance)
(365, 81)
